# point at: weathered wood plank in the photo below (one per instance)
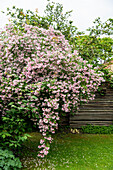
(96, 110)
(100, 102)
(78, 124)
(92, 117)
(107, 94)
(101, 107)
(86, 112)
(103, 103)
(89, 118)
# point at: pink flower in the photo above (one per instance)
(45, 152)
(49, 138)
(39, 146)
(41, 141)
(47, 148)
(45, 120)
(44, 134)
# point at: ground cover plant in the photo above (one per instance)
(91, 129)
(70, 151)
(40, 77)
(8, 160)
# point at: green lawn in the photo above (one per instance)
(71, 152)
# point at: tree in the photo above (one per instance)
(60, 21)
(101, 28)
(94, 49)
(97, 46)
(54, 16)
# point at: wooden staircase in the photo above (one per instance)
(97, 112)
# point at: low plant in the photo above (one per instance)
(91, 129)
(8, 161)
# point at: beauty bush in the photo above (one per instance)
(40, 78)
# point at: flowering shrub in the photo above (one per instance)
(40, 77)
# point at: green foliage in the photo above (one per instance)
(60, 20)
(108, 74)
(94, 49)
(97, 46)
(101, 28)
(91, 129)
(18, 17)
(8, 161)
(12, 131)
(54, 16)
(102, 91)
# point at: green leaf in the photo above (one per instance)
(34, 97)
(11, 103)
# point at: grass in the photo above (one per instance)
(70, 152)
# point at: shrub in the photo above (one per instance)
(8, 161)
(40, 77)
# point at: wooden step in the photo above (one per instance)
(100, 101)
(108, 93)
(95, 110)
(104, 98)
(91, 117)
(109, 90)
(96, 107)
(98, 104)
(78, 124)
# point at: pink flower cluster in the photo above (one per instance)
(40, 75)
